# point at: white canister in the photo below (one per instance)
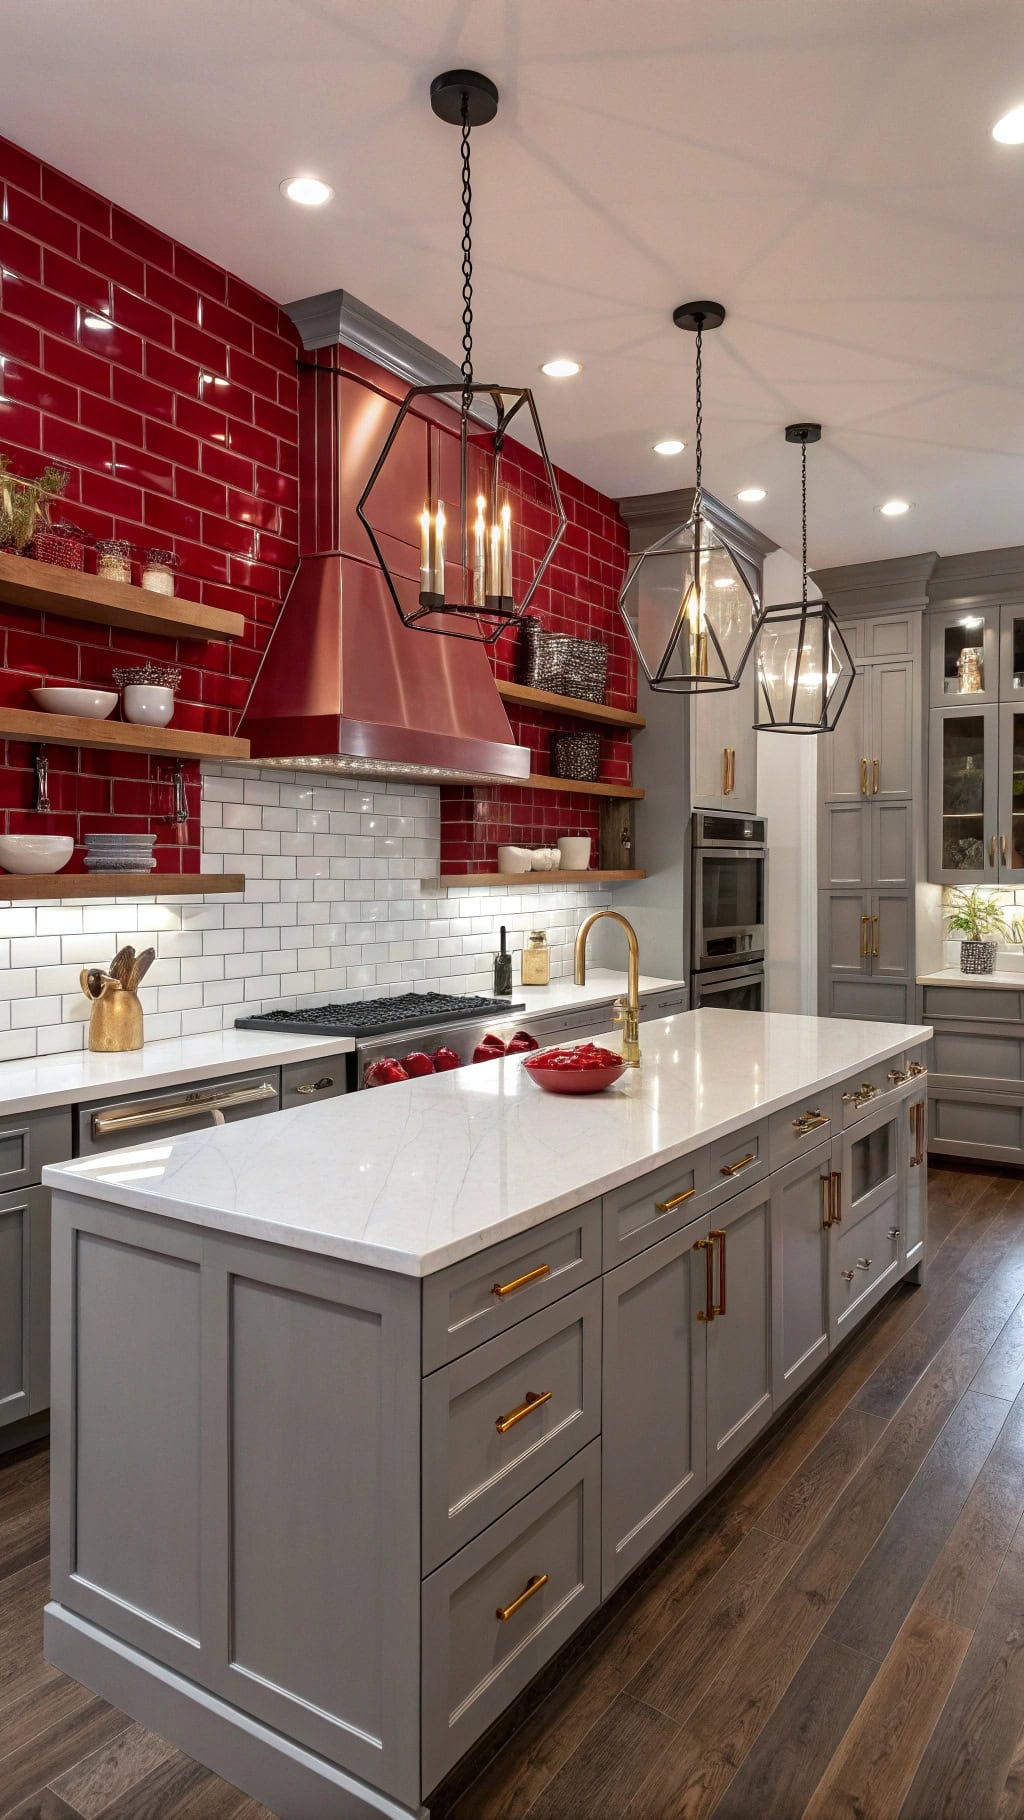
(574, 852)
(545, 859)
(515, 859)
(148, 704)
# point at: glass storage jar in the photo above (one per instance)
(536, 963)
(158, 571)
(113, 559)
(61, 544)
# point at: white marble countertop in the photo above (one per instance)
(952, 976)
(414, 1176)
(62, 1080)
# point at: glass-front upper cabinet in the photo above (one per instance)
(1011, 654)
(962, 806)
(1011, 791)
(965, 655)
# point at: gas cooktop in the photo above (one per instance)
(375, 1016)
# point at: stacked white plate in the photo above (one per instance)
(119, 852)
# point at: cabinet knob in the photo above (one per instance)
(847, 1276)
(320, 1086)
(894, 1233)
(863, 1263)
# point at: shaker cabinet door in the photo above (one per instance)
(799, 1209)
(24, 1303)
(739, 1373)
(1011, 794)
(845, 933)
(654, 1464)
(892, 729)
(846, 755)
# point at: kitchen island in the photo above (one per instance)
(357, 1420)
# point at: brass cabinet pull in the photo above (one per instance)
(504, 1612)
(916, 1068)
(874, 937)
(894, 1233)
(809, 1121)
(1002, 848)
(123, 1118)
(897, 1078)
(874, 777)
(707, 1246)
(676, 1201)
(917, 1116)
(865, 945)
(864, 777)
(320, 1086)
(732, 770)
(991, 849)
(826, 1200)
(728, 770)
(867, 1091)
(863, 1263)
(719, 1306)
(837, 1201)
(531, 1276)
(533, 1400)
(744, 1163)
(847, 1276)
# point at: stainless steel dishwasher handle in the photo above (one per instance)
(107, 1124)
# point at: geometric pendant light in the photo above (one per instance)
(479, 564)
(689, 601)
(804, 668)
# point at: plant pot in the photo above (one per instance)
(978, 957)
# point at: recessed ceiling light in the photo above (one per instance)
(894, 508)
(751, 496)
(307, 190)
(1010, 129)
(672, 445)
(561, 369)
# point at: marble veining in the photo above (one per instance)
(415, 1176)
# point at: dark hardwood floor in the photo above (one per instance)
(837, 1635)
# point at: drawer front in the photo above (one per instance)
(475, 1662)
(482, 1296)
(736, 1161)
(799, 1129)
(966, 1052)
(988, 1002)
(497, 1421)
(989, 1127)
(304, 1083)
(28, 1143)
(876, 1001)
(864, 1262)
(663, 1004)
(655, 1205)
(867, 1092)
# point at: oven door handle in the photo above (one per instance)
(125, 1118)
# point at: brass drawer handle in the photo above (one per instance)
(707, 1246)
(991, 849)
(719, 1306)
(863, 1263)
(874, 938)
(864, 777)
(676, 1201)
(1002, 848)
(867, 1091)
(320, 1086)
(865, 942)
(874, 777)
(531, 1276)
(917, 1116)
(533, 1400)
(847, 1276)
(826, 1200)
(916, 1069)
(897, 1078)
(108, 1124)
(504, 1612)
(809, 1121)
(837, 1201)
(744, 1163)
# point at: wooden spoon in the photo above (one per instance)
(140, 968)
(121, 965)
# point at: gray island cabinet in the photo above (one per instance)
(318, 1521)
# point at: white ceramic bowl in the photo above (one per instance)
(575, 852)
(515, 859)
(92, 704)
(148, 704)
(35, 852)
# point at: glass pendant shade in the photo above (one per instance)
(691, 610)
(804, 669)
(478, 566)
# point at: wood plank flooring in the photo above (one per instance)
(837, 1635)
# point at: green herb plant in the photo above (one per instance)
(974, 917)
(25, 504)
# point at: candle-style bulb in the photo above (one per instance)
(426, 565)
(506, 551)
(440, 523)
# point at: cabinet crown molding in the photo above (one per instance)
(898, 582)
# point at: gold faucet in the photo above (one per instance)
(631, 1016)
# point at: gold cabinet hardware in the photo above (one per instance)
(676, 1201)
(991, 849)
(847, 1276)
(531, 1276)
(863, 1263)
(851, 1099)
(864, 777)
(191, 1105)
(320, 1086)
(897, 1077)
(837, 1198)
(809, 1121)
(915, 1069)
(867, 1091)
(874, 937)
(894, 1233)
(734, 1168)
(826, 1200)
(504, 1612)
(707, 1246)
(1002, 848)
(728, 770)
(861, 1095)
(917, 1118)
(865, 944)
(719, 1306)
(532, 1400)
(732, 770)
(874, 777)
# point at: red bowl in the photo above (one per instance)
(586, 1080)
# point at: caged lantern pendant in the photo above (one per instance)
(690, 600)
(804, 668)
(479, 567)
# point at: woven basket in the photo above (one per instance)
(977, 957)
(576, 755)
(561, 664)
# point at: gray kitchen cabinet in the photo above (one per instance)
(867, 1212)
(724, 747)
(892, 844)
(867, 845)
(654, 1413)
(951, 633)
(873, 638)
(891, 688)
(963, 809)
(1011, 652)
(1010, 793)
(976, 1078)
(867, 934)
(914, 1170)
(739, 1366)
(24, 1303)
(974, 1123)
(845, 754)
(799, 1265)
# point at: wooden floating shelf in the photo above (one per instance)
(117, 884)
(462, 880)
(569, 704)
(540, 781)
(44, 587)
(43, 729)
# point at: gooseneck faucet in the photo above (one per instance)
(631, 1018)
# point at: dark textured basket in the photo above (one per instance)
(977, 957)
(576, 755)
(562, 664)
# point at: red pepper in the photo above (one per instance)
(384, 1072)
(575, 1060)
(417, 1063)
(446, 1059)
(489, 1049)
(521, 1043)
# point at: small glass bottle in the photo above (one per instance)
(113, 559)
(503, 970)
(158, 571)
(536, 964)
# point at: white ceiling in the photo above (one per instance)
(824, 167)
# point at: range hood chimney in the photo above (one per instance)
(343, 686)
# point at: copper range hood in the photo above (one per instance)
(343, 686)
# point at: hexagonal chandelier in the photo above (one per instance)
(478, 565)
(689, 601)
(804, 668)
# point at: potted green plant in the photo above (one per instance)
(977, 919)
(25, 504)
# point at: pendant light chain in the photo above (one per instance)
(698, 444)
(803, 498)
(467, 262)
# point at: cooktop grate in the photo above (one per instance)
(375, 1016)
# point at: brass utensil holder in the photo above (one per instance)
(115, 1023)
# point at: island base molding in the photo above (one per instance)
(295, 1783)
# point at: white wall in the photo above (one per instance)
(787, 795)
(334, 907)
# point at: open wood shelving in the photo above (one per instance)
(462, 881)
(42, 587)
(19, 885)
(571, 705)
(42, 729)
(541, 781)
